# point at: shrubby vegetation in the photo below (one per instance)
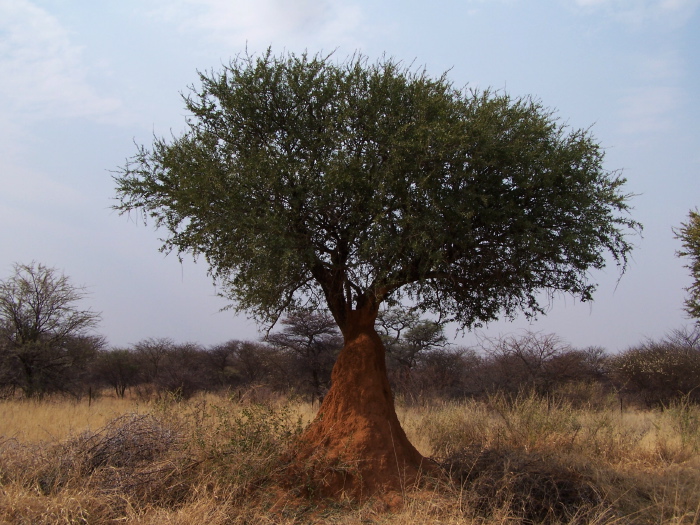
(659, 372)
(47, 346)
(298, 358)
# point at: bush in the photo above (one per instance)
(440, 373)
(538, 362)
(659, 372)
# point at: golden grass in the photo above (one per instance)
(59, 418)
(214, 460)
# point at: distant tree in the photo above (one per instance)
(258, 364)
(532, 360)
(43, 331)
(9, 372)
(182, 371)
(175, 368)
(689, 234)
(407, 337)
(687, 338)
(81, 352)
(151, 354)
(579, 365)
(314, 341)
(306, 181)
(220, 359)
(117, 368)
(449, 373)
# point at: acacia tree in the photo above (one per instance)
(303, 180)
(314, 341)
(42, 331)
(689, 234)
(407, 337)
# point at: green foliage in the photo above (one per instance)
(259, 427)
(346, 184)
(689, 233)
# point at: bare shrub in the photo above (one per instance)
(127, 442)
(132, 456)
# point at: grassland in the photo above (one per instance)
(215, 460)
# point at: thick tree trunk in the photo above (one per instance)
(356, 439)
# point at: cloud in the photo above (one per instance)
(305, 23)
(42, 74)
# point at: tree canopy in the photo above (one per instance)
(689, 234)
(306, 180)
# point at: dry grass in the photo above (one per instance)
(57, 419)
(217, 461)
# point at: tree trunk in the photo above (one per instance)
(356, 442)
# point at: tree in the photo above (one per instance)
(151, 355)
(445, 373)
(171, 367)
(689, 234)
(43, 331)
(306, 181)
(531, 361)
(117, 368)
(220, 360)
(181, 373)
(313, 339)
(407, 337)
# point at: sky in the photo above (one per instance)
(83, 82)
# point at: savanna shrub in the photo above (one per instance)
(538, 362)
(659, 372)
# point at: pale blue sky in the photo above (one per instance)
(80, 81)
